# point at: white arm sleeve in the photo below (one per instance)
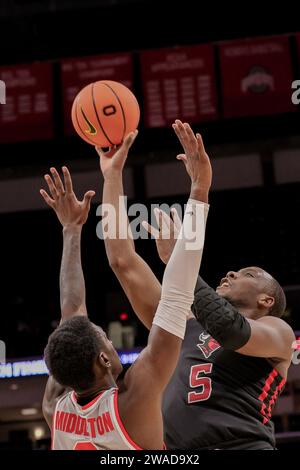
(182, 270)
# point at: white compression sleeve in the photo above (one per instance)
(182, 270)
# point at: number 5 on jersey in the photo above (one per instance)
(198, 381)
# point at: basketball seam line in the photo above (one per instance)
(98, 119)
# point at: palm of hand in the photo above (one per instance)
(166, 236)
(71, 211)
(109, 161)
(113, 161)
(195, 158)
(165, 248)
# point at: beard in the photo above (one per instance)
(238, 303)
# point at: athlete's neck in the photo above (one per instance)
(99, 386)
(249, 313)
(245, 310)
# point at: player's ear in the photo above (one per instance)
(265, 301)
(104, 360)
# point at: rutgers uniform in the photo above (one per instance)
(95, 426)
(219, 399)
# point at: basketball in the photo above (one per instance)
(104, 112)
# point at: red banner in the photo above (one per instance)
(256, 76)
(179, 83)
(28, 112)
(77, 73)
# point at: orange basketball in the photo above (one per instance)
(104, 112)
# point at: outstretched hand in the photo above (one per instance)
(112, 162)
(195, 158)
(69, 210)
(166, 234)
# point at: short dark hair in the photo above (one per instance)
(71, 351)
(276, 291)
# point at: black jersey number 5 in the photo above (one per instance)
(198, 381)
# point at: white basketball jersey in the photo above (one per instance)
(95, 426)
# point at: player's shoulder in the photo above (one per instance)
(281, 325)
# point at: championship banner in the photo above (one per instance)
(79, 72)
(179, 83)
(28, 112)
(256, 77)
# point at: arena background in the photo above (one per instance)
(254, 145)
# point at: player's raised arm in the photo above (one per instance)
(150, 374)
(72, 215)
(193, 147)
(135, 276)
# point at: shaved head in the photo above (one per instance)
(243, 288)
(275, 290)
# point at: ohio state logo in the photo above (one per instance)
(208, 345)
(258, 80)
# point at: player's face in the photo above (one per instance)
(243, 287)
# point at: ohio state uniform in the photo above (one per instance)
(95, 426)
